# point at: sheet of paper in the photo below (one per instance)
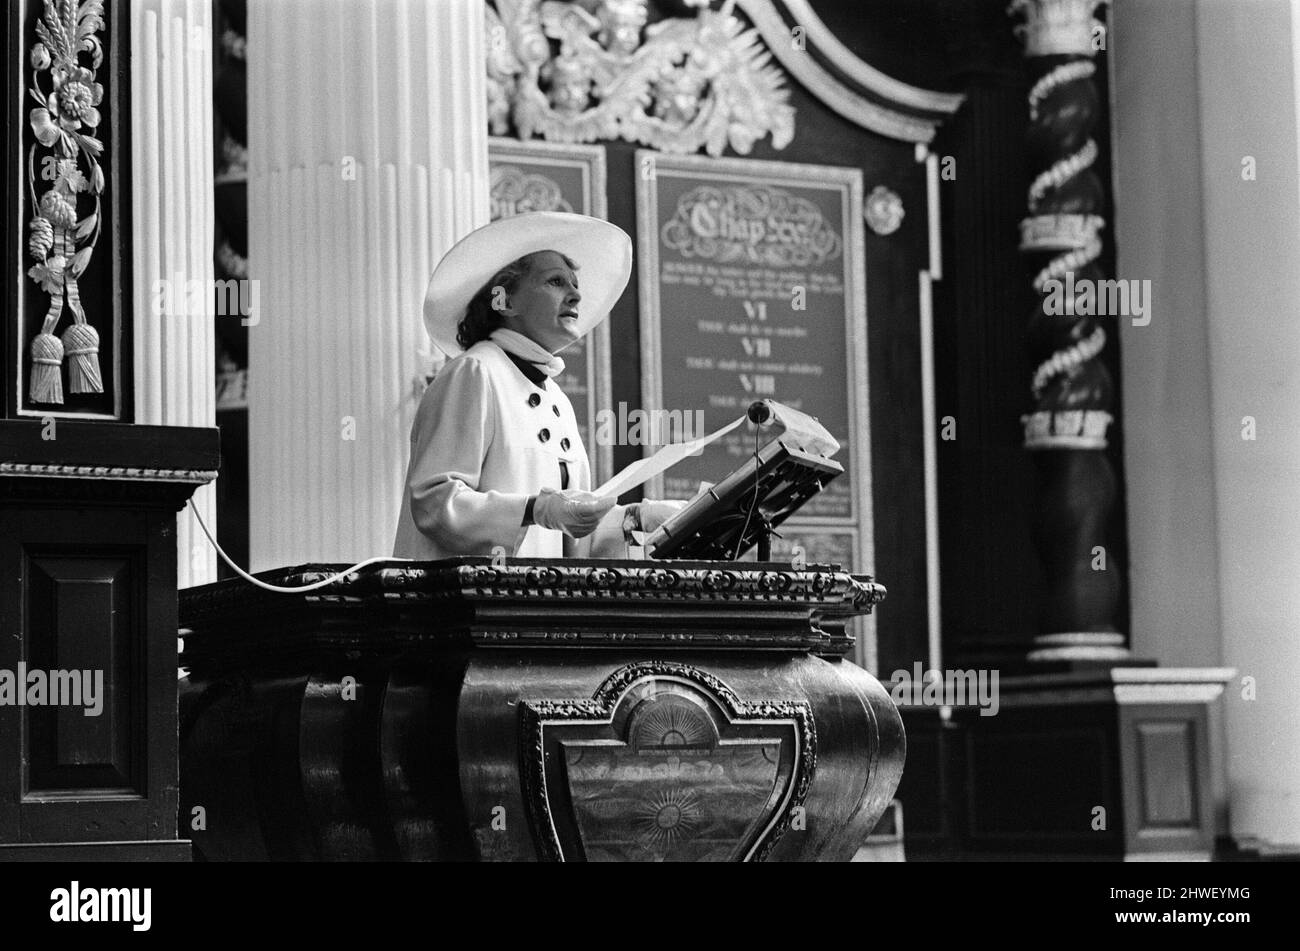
(643, 470)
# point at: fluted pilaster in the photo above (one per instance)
(172, 210)
(368, 160)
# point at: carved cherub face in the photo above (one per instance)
(621, 23)
(570, 86)
(677, 96)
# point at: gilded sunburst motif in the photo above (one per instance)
(669, 816)
(670, 723)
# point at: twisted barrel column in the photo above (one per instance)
(1072, 389)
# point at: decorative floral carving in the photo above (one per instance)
(590, 70)
(59, 243)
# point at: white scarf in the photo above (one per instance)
(511, 341)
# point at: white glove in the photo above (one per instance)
(655, 513)
(570, 511)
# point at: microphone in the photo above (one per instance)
(759, 412)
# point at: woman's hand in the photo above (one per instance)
(571, 511)
(655, 513)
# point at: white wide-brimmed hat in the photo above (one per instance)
(602, 251)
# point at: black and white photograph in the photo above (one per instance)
(857, 432)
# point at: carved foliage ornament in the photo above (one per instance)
(587, 70)
(59, 242)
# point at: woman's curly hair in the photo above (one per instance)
(481, 318)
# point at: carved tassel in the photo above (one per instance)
(47, 376)
(81, 343)
(46, 385)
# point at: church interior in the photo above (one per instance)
(997, 560)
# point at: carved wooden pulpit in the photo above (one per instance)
(535, 710)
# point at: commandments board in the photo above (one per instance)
(752, 286)
(539, 176)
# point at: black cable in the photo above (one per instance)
(753, 506)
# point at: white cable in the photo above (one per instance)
(277, 588)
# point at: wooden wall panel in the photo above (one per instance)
(90, 587)
(81, 617)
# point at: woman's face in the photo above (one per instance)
(544, 305)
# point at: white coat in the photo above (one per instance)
(485, 438)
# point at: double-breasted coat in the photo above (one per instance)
(485, 438)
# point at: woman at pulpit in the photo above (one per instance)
(497, 463)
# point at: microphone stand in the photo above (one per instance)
(760, 412)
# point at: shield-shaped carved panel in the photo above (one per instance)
(664, 763)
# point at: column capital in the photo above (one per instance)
(1058, 27)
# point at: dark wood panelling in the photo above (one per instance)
(88, 581)
(1030, 784)
(82, 852)
(79, 443)
(79, 612)
(83, 737)
(932, 806)
(91, 587)
(990, 574)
